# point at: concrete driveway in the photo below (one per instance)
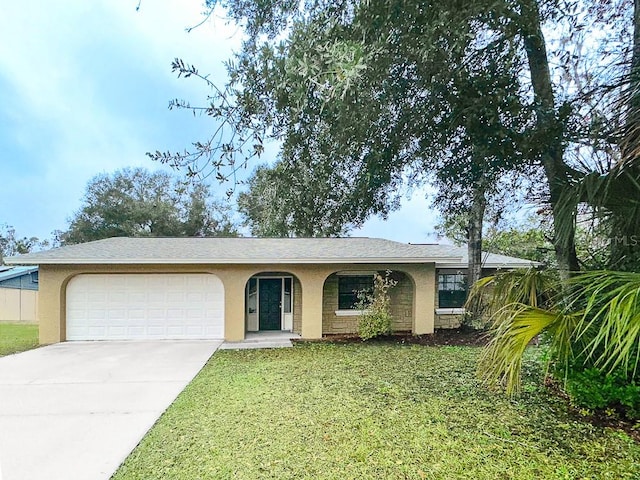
(76, 410)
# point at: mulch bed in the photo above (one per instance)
(459, 337)
(599, 418)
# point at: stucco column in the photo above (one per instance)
(234, 285)
(51, 305)
(312, 285)
(424, 300)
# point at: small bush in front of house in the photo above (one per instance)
(595, 390)
(376, 318)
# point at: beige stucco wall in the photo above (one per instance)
(18, 305)
(311, 278)
(401, 307)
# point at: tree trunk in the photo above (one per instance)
(550, 130)
(474, 245)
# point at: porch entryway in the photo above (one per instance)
(269, 303)
(263, 339)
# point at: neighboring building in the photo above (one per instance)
(170, 288)
(18, 294)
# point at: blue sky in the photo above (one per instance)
(84, 89)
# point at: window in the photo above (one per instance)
(252, 295)
(452, 290)
(286, 307)
(34, 277)
(348, 288)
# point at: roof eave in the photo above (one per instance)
(261, 261)
(491, 265)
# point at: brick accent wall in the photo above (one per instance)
(331, 324)
(401, 307)
(447, 321)
(402, 303)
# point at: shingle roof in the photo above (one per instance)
(239, 251)
(122, 250)
(489, 260)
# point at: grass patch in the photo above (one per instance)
(370, 411)
(17, 337)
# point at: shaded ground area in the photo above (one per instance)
(603, 418)
(369, 411)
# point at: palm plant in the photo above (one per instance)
(597, 323)
(611, 199)
(591, 319)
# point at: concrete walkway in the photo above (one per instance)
(76, 410)
(264, 339)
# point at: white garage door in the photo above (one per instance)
(145, 306)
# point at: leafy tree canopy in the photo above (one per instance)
(11, 244)
(381, 92)
(139, 203)
(308, 194)
(456, 92)
(531, 239)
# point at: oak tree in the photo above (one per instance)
(139, 203)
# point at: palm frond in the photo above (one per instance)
(515, 326)
(610, 321)
(526, 286)
(613, 198)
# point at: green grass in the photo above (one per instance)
(17, 337)
(372, 411)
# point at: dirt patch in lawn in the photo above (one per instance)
(443, 337)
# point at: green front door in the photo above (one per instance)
(269, 303)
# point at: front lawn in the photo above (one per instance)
(17, 337)
(369, 411)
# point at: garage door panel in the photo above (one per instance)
(95, 296)
(94, 314)
(139, 306)
(117, 314)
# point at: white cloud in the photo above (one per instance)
(85, 88)
(75, 74)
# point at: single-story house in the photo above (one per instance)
(18, 294)
(192, 288)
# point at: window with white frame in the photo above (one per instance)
(452, 290)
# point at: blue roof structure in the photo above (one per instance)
(19, 277)
(11, 272)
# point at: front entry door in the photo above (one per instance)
(270, 298)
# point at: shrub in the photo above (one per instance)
(593, 389)
(376, 317)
